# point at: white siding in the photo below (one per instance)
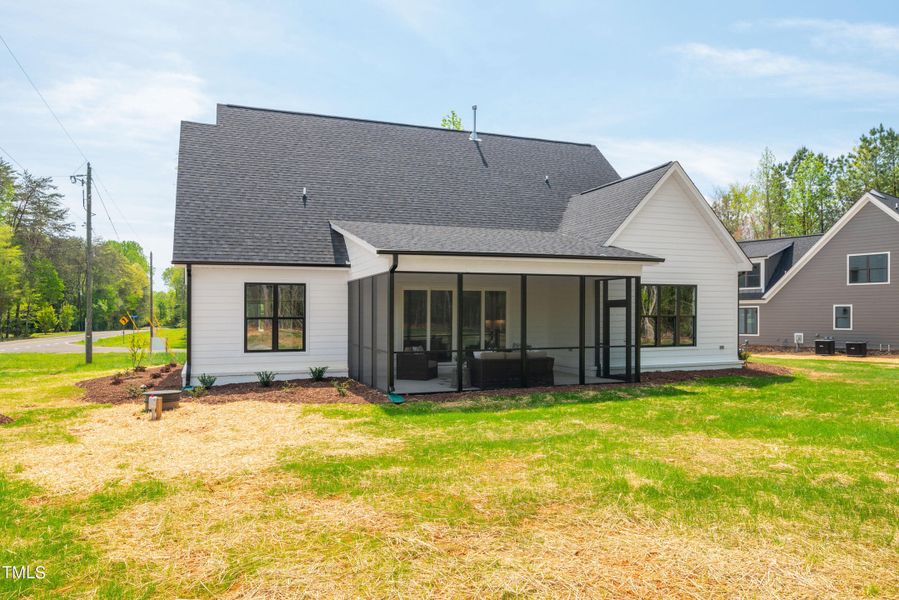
(364, 262)
(217, 322)
(671, 226)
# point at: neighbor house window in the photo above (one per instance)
(749, 320)
(869, 268)
(668, 315)
(275, 317)
(751, 279)
(842, 316)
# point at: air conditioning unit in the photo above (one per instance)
(798, 338)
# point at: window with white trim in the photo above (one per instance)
(749, 320)
(868, 268)
(751, 280)
(842, 316)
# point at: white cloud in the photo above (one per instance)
(710, 165)
(141, 105)
(421, 16)
(832, 33)
(816, 78)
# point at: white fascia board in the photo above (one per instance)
(358, 240)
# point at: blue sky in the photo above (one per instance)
(708, 84)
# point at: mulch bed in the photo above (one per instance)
(4, 419)
(305, 391)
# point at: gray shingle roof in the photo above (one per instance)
(597, 213)
(764, 248)
(432, 239)
(890, 202)
(240, 183)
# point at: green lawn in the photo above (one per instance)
(177, 338)
(748, 487)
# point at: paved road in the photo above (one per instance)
(63, 344)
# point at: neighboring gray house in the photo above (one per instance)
(842, 284)
(420, 259)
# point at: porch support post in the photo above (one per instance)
(606, 335)
(459, 355)
(582, 341)
(629, 327)
(391, 323)
(524, 330)
(374, 332)
(638, 325)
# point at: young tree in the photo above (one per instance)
(10, 274)
(810, 194)
(45, 319)
(66, 317)
(735, 206)
(770, 190)
(451, 121)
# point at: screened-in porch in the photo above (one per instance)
(416, 332)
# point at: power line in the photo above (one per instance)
(44, 100)
(115, 205)
(106, 210)
(12, 158)
(74, 143)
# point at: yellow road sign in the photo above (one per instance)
(123, 320)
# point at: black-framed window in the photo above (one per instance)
(869, 268)
(668, 315)
(274, 317)
(749, 320)
(753, 278)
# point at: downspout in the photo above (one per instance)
(391, 317)
(186, 381)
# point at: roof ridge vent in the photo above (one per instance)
(474, 127)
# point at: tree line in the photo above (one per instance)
(809, 192)
(42, 267)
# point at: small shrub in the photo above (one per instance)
(117, 377)
(137, 351)
(317, 373)
(288, 385)
(173, 362)
(197, 391)
(156, 375)
(207, 381)
(46, 319)
(66, 317)
(166, 369)
(342, 387)
(134, 391)
(743, 354)
(266, 378)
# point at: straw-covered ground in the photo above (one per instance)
(750, 485)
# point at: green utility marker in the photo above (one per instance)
(395, 398)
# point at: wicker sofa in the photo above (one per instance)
(492, 370)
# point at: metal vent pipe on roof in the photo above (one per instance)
(474, 127)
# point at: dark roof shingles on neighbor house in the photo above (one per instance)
(240, 188)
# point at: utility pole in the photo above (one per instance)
(152, 330)
(89, 281)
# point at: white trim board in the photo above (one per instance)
(808, 256)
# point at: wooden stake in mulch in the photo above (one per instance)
(155, 405)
